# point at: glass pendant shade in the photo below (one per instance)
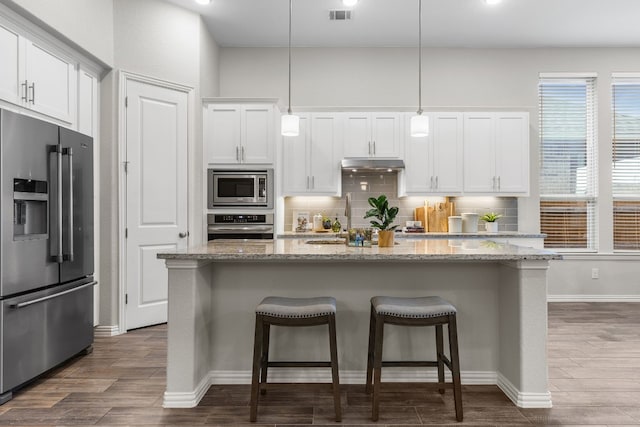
(419, 125)
(290, 125)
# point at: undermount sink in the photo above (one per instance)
(326, 242)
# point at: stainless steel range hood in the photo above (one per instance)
(358, 165)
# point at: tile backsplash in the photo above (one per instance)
(370, 184)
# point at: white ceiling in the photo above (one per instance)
(446, 23)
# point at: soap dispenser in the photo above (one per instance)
(317, 222)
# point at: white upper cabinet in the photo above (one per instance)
(295, 166)
(239, 134)
(433, 164)
(87, 102)
(372, 135)
(512, 152)
(51, 83)
(496, 153)
(311, 161)
(10, 72)
(257, 136)
(35, 77)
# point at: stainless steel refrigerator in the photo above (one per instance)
(46, 250)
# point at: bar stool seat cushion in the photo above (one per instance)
(416, 308)
(296, 307)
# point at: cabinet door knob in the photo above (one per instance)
(183, 235)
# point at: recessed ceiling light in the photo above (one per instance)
(492, 2)
(203, 1)
(349, 3)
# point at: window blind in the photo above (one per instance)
(625, 168)
(568, 162)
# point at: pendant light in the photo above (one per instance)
(419, 123)
(290, 125)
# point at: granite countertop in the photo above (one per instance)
(404, 251)
(429, 235)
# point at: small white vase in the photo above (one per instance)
(491, 227)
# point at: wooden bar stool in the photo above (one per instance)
(424, 311)
(282, 311)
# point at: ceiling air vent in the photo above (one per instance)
(340, 15)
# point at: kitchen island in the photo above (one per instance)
(499, 290)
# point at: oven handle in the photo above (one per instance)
(214, 229)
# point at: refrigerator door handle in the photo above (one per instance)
(57, 257)
(52, 296)
(69, 256)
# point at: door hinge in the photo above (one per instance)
(126, 167)
(126, 299)
(126, 101)
(126, 233)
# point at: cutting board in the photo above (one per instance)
(437, 216)
(419, 214)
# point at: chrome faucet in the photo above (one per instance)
(347, 210)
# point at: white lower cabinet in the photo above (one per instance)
(496, 153)
(311, 161)
(433, 164)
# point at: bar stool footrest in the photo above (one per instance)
(410, 364)
(283, 364)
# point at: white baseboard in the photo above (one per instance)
(593, 298)
(320, 375)
(524, 400)
(106, 331)
(187, 399)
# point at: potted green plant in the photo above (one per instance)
(385, 216)
(491, 222)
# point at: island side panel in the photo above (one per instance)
(238, 288)
(523, 370)
(189, 332)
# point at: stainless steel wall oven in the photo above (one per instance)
(240, 226)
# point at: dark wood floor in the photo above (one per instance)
(594, 355)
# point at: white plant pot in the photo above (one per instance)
(491, 227)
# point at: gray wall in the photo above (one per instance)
(148, 37)
(457, 79)
(163, 41)
(88, 24)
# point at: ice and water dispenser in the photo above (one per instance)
(30, 198)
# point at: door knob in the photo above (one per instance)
(183, 235)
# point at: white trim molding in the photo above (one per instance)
(187, 399)
(523, 400)
(318, 375)
(106, 331)
(593, 298)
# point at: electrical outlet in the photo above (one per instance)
(595, 273)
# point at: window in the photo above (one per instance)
(625, 168)
(568, 162)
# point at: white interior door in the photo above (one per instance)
(156, 195)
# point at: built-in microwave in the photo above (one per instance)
(240, 188)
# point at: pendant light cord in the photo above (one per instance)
(419, 57)
(290, 11)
